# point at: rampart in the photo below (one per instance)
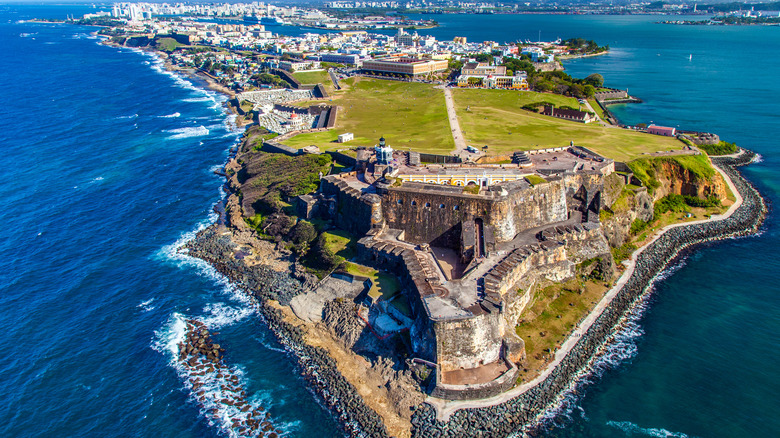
(431, 213)
(613, 93)
(500, 279)
(355, 211)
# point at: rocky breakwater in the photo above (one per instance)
(266, 287)
(218, 388)
(524, 411)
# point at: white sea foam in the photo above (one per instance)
(179, 133)
(146, 305)
(170, 116)
(262, 338)
(197, 99)
(632, 429)
(182, 259)
(222, 315)
(218, 389)
(130, 117)
(166, 340)
(758, 158)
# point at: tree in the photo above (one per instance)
(277, 224)
(322, 256)
(588, 90)
(303, 233)
(595, 79)
(483, 57)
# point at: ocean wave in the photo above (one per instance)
(219, 389)
(187, 132)
(172, 253)
(170, 116)
(222, 315)
(197, 99)
(262, 338)
(758, 158)
(167, 339)
(632, 429)
(134, 116)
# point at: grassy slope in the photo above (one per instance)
(408, 115)
(494, 114)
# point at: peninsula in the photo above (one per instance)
(442, 240)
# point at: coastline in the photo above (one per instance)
(521, 407)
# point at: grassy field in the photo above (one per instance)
(495, 118)
(313, 77)
(408, 115)
(341, 243)
(596, 107)
(550, 317)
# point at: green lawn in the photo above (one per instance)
(313, 77)
(341, 243)
(495, 118)
(597, 108)
(167, 44)
(385, 284)
(408, 115)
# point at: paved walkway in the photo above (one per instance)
(457, 135)
(445, 408)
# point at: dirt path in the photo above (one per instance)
(457, 134)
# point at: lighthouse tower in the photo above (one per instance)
(384, 153)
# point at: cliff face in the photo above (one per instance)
(678, 180)
(667, 177)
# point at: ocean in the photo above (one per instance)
(108, 166)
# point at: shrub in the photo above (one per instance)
(722, 148)
(638, 226)
(680, 203)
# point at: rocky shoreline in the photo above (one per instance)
(518, 413)
(317, 368)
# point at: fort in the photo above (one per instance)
(469, 243)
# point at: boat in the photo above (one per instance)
(272, 21)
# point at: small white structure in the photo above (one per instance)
(347, 136)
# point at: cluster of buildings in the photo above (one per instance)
(403, 54)
(483, 75)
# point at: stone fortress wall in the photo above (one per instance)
(464, 324)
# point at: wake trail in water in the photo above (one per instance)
(632, 429)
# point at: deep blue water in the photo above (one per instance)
(98, 187)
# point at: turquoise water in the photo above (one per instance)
(107, 166)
